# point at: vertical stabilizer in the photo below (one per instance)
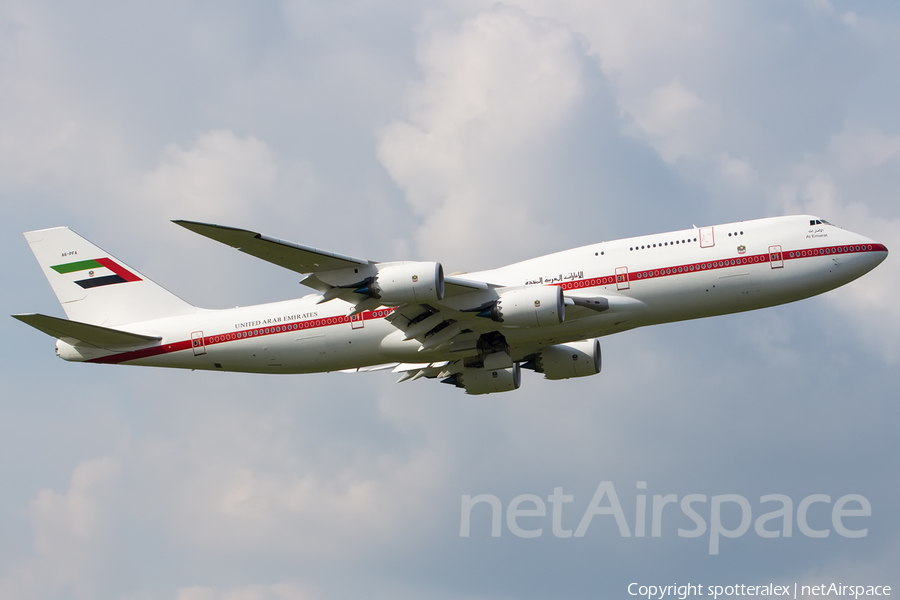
(95, 287)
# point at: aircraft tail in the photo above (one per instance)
(96, 288)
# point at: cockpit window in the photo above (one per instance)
(819, 222)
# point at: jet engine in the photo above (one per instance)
(406, 282)
(487, 381)
(531, 306)
(564, 361)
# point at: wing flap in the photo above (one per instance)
(85, 334)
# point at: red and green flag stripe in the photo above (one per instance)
(116, 272)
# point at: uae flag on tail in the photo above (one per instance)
(96, 272)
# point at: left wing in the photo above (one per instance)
(301, 259)
(339, 270)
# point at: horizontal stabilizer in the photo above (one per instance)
(85, 334)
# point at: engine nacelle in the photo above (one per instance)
(408, 282)
(564, 361)
(532, 306)
(487, 381)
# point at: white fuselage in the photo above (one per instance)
(649, 280)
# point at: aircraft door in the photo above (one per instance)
(707, 237)
(775, 258)
(357, 322)
(622, 278)
(197, 343)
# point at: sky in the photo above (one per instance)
(477, 134)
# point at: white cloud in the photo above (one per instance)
(494, 93)
(68, 532)
(859, 147)
(238, 480)
(221, 175)
(675, 121)
(737, 171)
(49, 136)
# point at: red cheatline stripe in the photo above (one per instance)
(146, 352)
(583, 283)
(741, 260)
(243, 334)
(118, 269)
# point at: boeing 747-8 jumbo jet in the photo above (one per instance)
(474, 330)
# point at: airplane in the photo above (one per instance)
(476, 331)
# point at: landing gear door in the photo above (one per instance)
(197, 343)
(775, 258)
(622, 278)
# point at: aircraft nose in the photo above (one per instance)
(856, 253)
(873, 250)
(873, 246)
